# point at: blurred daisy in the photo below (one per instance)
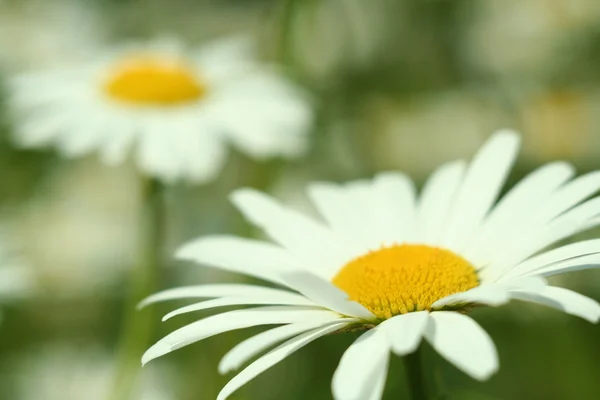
(174, 109)
(401, 268)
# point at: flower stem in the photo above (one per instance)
(414, 375)
(137, 325)
(285, 46)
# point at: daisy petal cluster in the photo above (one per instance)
(173, 110)
(403, 267)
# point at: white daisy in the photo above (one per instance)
(175, 107)
(402, 268)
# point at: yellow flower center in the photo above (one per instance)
(404, 278)
(152, 81)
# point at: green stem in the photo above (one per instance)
(414, 376)
(285, 47)
(138, 325)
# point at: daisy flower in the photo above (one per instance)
(401, 267)
(174, 109)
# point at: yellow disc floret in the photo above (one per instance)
(152, 81)
(404, 278)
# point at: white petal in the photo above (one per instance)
(393, 208)
(482, 183)
(246, 256)
(493, 295)
(157, 154)
(534, 240)
(353, 376)
(310, 242)
(326, 294)
(436, 201)
(405, 331)
(463, 342)
(197, 148)
(253, 346)
(569, 195)
(515, 207)
(273, 357)
(284, 299)
(232, 320)
(570, 251)
(563, 299)
(337, 207)
(379, 377)
(210, 290)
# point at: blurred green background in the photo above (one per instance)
(400, 85)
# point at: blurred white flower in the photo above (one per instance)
(39, 33)
(173, 108)
(69, 372)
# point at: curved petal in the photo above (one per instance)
(211, 290)
(493, 295)
(518, 204)
(353, 376)
(249, 348)
(393, 208)
(463, 342)
(312, 243)
(273, 357)
(288, 299)
(406, 331)
(547, 259)
(437, 199)
(232, 320)
(246, 256)
(563, 299)
(482, 183)
(326, 294)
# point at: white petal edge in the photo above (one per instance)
(326, 294)
(436, 201)
(406, 331)
(246, 256)
(210, 290)
(233, 320)
(254, 345)
(289, 299)
(273, 357)
(483, 180)
(312, 243)
(563, 299)
(352, 377)
(460, 340)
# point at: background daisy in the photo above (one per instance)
(403, 268)
(173, 109)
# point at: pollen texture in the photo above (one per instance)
(405, 278)
(152, 81)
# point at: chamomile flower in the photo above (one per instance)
(401, 267)
(174, 109)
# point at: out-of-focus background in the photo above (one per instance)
(400, 85)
